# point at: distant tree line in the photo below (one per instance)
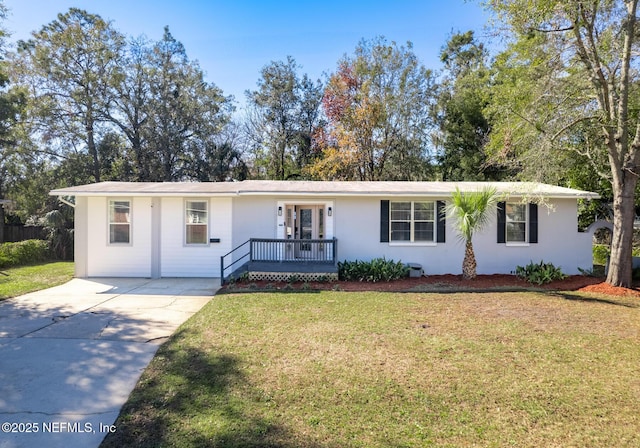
(81, 102)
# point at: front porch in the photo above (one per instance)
(282, 260)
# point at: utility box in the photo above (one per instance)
(415, 270)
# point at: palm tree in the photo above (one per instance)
(471, 211)
(60, 236)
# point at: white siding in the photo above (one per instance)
(257, 217)
(559, 242)
(254, 217)
(222, 228)
(116, 260)
(358, 231)
(81, 237)
(355, 223)
(181, 260)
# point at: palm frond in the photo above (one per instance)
(472, 211)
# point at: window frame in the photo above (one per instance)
(526, 223)
(412, 224)
(187, 224)
(110, 203)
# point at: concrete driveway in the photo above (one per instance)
(70, 355)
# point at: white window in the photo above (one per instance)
(119, 221)
(197, 222)
(412, 221)
(516, 223)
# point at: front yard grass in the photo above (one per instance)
(337, 369)
(24, 279)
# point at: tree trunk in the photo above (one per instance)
(469, 262)
(93, 150)
(623, 159)
(620, 264)
(142, 164)
(280, 160)
(1, 224)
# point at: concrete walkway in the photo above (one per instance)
(70, 355)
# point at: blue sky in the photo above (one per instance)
(233, 40)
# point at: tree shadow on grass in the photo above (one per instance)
(189, 397)
(616, 301)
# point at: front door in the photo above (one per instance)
(306, 222)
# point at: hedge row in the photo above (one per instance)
(23, 253)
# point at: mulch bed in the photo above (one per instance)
(444, 283)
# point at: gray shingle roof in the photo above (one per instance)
(316, 188)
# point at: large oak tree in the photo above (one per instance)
(571, 70)
(69, 65)
(460, 112)
(378, 105)
(283, 116)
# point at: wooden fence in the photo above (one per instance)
(14, 233)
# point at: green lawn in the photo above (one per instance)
(17, 281)
(338, 369)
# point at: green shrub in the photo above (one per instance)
(376, 270)
(539, 273)
(23, 253)
(600, 253)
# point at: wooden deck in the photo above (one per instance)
(282, 260)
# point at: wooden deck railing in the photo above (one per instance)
(293, 251)
(279, 250)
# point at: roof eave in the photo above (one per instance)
(138, 193)
(59, 193)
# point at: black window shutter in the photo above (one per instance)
(384, 221)
(533, 223)
(442, 223)
(502, 222)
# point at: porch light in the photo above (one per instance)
(329, 211)
(279, 211)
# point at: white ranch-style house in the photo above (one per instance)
(183, 229)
